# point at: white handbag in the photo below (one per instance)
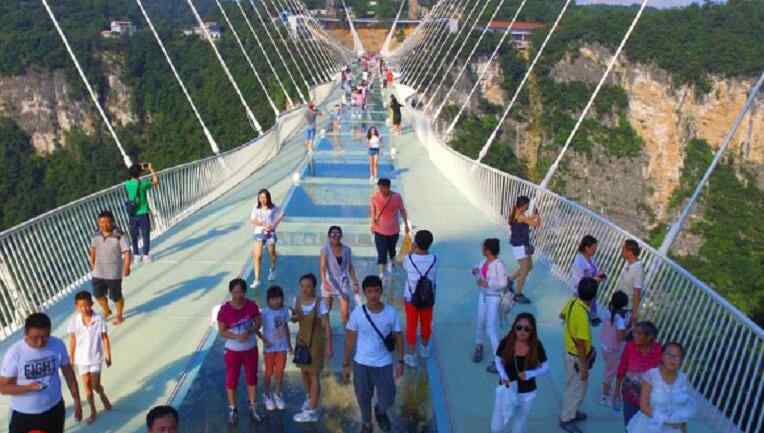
(504, 407)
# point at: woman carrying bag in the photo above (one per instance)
(314, 344)
(520, 359)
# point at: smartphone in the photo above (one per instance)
(144, 166)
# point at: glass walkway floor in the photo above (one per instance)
(166, 350)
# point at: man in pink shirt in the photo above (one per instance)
(385, 209)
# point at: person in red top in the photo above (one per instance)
(640, 355)
(385, 210)
(389, 77)
(239, 323)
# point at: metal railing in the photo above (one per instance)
(724, 348)
(45, 258)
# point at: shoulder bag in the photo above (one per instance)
(389, 340)
(302, 354)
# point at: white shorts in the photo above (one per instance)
(88, 368)
(519, 252)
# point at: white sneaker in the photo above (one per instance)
(272, 274)
(279, 401)
(381, 275)
(306, 404)
(255, 284)
(269, 404)
(306, 416)
(410, 360)
(147, 259)
(390, 267)
(371, 180)
(253, 413)
(137, 259)
(424, 350)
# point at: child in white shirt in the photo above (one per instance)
(89, 347)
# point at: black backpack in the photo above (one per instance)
(424, 292)
(131, 206)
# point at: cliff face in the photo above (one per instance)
(666, 117)
(44, 107)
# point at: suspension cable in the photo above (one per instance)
(556, 163)
(248, 111)
(386, 45)
(487, 66)
(358, 44)
(417, 61)
(413, 61)
(299, 46)
(416, 36)
(285, 44)
(439, 45)
(210, 139)
(278, 52)
(290, 103)
(93, 96)
(492, 137)
(248, 59)
(325, 58)
(301, 21)
(454, 59)
(453, 42)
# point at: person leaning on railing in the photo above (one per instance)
(520, 240)
(138, 207)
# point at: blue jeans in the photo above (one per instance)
(629, 410)
(140, 225)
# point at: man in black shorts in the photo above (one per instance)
(110, 261)
(29, 374)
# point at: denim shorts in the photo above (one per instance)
(266, 238)
(373, 151)
(310, 133)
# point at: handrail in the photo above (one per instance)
(44, 258)
(724, 347)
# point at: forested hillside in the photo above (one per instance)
(165, 132)
(700, 48)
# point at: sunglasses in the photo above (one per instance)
(523, 328)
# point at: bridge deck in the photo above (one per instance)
(169, 303)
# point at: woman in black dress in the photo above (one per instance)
(396, 107)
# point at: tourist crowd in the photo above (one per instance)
(642, 377)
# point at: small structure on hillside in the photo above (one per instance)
(522, 31)
(215, 31)
(119, 28)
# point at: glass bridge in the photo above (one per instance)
(167, 351)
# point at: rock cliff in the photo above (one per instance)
(45, 107)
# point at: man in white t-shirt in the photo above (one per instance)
(29, 374)
(631, 277)
(371, 328)
(89, 347)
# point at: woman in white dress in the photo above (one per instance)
(666, 401)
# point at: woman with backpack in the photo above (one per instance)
(612, 338)
(419, 295)
(491, 275)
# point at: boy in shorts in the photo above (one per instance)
(110, 262)
(89, 347)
